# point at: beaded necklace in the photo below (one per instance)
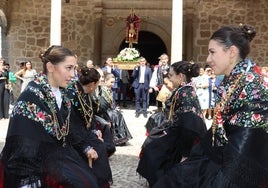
(87, 109)
(217, 119)
(61, 131)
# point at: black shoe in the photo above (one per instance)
(137, 115)
(145, 115)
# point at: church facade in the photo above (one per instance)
(95, 29)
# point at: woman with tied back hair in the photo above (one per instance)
(84, 131)
(26, 74)
(184, 129)
(38, 151)
(234, 152)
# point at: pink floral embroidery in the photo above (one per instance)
(233, 119)
(41, 115)
(250, 77)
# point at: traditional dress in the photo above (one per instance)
(38, 152)
(83, 133)
(181, 133)
(234, 153)
(119, 127)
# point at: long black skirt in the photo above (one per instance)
(242, 162)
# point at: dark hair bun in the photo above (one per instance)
(84, 71)
(195, 69)
(249, 31)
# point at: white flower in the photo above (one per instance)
(128, 54)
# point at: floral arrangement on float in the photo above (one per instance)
(127, 58)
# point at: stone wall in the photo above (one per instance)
(211, 15)
(29, 29)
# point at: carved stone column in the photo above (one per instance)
(97, 32)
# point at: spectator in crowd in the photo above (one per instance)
(4, 90)
(214, 83)
(158, 75)
(123, 86)
(90, 64)
(26, 75)
(202, 90)
(141, 79)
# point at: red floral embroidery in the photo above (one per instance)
(256, 117)
(242, 95)
(257, 69)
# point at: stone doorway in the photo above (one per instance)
(150, 46)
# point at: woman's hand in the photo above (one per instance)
(92, 154)
(99, 135)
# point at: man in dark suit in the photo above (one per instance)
(141, 80)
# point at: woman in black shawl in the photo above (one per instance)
(234, 152)
(184, 129)
(85, 132)
(119, 128)
(37, 151)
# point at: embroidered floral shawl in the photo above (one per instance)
(248, 104)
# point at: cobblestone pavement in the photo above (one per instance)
(124, 161)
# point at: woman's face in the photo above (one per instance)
(61, 74)
(175, 79)
(101, 76)
(201, 71)
(109, 83)
(28, 65)
(219, 58)
(89, 88)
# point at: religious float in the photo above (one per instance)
(128, 58)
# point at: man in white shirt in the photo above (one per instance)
(141, 78)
